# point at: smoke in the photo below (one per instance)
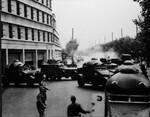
(97, 52)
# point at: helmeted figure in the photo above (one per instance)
(143, 69)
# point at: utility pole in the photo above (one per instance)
(112, 36)
(104, 39)
(72, 33)
(121, 32)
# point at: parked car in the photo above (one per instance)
(112, 67)
(52, 70)
(56, 70)
(117, 61)
(18, 73)
(125, 57)
(69, 72)
(94, 73)
(128, 85)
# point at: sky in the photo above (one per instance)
(94, 21)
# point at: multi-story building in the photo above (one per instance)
(28, 32)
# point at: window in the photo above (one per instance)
(42, 1)
(50, 4)
(32, 34)
(26, 33)
(47, 2)
(10, 31)
(25, 10)
(47, 19)
(31, 12)
(18, 8)
(43, 17)
(38, 35)
(50, 20)
(48, 36)
(19, 32)
(43, 36)
(9, 5)
(37, 15)
(1, 29)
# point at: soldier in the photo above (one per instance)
(143, 69)
(74, 109)
(41, 101)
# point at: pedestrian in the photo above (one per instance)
(41, 101)
(143, 69)
(75, 109)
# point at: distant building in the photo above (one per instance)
(28, 32)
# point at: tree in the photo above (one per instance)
(125, 45)
(143, 23)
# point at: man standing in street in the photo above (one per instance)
(41, 101)
(75, 109)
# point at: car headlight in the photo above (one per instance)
(34, 74)
(142, 85)
(32, 77)
(95, 74)
(20, 74)
(44, 76)
(106, 78)
(114, 83)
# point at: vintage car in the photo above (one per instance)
(125, 57)
(69, 72)
(128, 85)
(52, 70)
(112, 67)
(93, 72)
(18, 73)
(56, 70)
(116, 61)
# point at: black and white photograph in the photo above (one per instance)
(75, 58)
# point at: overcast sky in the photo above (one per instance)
(94, 20)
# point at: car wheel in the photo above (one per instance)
(73, 77)
(5, 83)
(81, 82)
(58, 77)
(16, 84)
(30, 84)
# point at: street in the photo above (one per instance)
(21, 101)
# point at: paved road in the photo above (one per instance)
(20, 101)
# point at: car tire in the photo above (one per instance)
(16, 84)
(81, 82)
(5, 83)
(30, 84)
(73, 77)
(58, 77)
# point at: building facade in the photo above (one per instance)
(28, 32)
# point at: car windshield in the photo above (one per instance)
(100, 66)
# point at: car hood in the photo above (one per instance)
(129, 81)
(124, 83)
